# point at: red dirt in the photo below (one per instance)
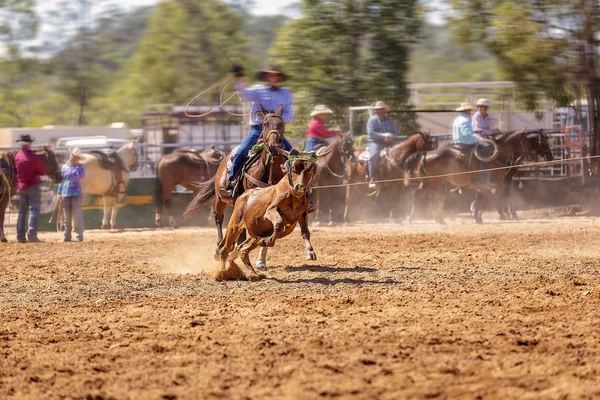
(506, 310)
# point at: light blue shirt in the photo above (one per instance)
(462, 130)
(269, 98)
(482, 123)
(376, 126)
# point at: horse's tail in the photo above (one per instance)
(412, 166)
(206, 191)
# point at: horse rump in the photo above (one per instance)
(206, 191)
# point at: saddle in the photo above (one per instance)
(198, 160)
(110, 161)
(364, 157)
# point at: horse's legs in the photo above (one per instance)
(310, 252)
(349, 196)
(439, 200)
(3, 203)
(261, 262)
(219, 216)
(113, 215)
(167, 207)
(105, 216)
(477, 207)
(418, 192)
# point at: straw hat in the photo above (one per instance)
(321, 109)
(380, 105)
(483, 102)
(466, 107)
(76, 153)
(272, 69)
(25, 138)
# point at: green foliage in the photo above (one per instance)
(439, 57)
(347, 53)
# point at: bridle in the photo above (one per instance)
(288, 170)
(267, 134)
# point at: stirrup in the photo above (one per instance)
(227, 191)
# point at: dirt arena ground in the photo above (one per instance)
(503, 310)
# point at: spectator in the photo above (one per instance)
(72, 196)
(317, 131)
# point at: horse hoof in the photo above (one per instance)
(115, 227)
(104, 227)
(4, 241)
(254, 277)
(217, 255)
(261, 266)
(311, 256)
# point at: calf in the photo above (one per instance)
(268, 214)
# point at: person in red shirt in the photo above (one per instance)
(30, 167)
(317, 131)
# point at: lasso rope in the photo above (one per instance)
(461, 173)
(225, 81)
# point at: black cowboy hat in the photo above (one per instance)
(25, 138)
(272, 69)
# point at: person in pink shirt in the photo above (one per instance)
(30, 167)
(317, 131)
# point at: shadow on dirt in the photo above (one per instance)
(332, 282)
(326, 268)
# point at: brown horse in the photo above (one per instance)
(540, 145)
(182, 168)
(267, 215)
(331, 171)
(8, 178)
(267, 169)
(391, 166)
(454, 159)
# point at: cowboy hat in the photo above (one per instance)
(272, 69)
(76, 153)
(466, 107)
(380, 105)
(483, 102)
(25, 138)
(321, 109)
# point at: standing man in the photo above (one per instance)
(317, 131)
(381, 132)
(270, 96)
(72, 196)
(481, 120)
(30, 167)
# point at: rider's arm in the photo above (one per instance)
(288, 107)
(372, 131)
(245, 93)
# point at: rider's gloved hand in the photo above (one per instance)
(237, 70)
(294, 152)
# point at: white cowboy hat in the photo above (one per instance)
(466, 107)
(321, 109)
(76, 153)
(483, 102)
(380, 105)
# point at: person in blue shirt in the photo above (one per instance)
(268, 96)
(71, 194)
(381, 132)
(463, 134)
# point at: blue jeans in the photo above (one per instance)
(374, 156)
(72, 209)
(313, 142)
(30, 203)
(242, 152)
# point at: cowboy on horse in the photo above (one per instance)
(381, 132)
(267, 96)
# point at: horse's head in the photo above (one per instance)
(516, 143)
(346, 146)
(213, 153)
(129, 155)
(300, 172)
(52, 167)
(546, 151)
(273, 127)
(425, 141)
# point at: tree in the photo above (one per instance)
(348, 52)
(548, 47)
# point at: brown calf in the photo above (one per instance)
(268, 214)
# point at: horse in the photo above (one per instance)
(8, 178)
(266, 215)
(266, 169)
(540, 146)
(391, 166)
(110, 184)
(182, 168)
(452, 159)
(331, 171)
